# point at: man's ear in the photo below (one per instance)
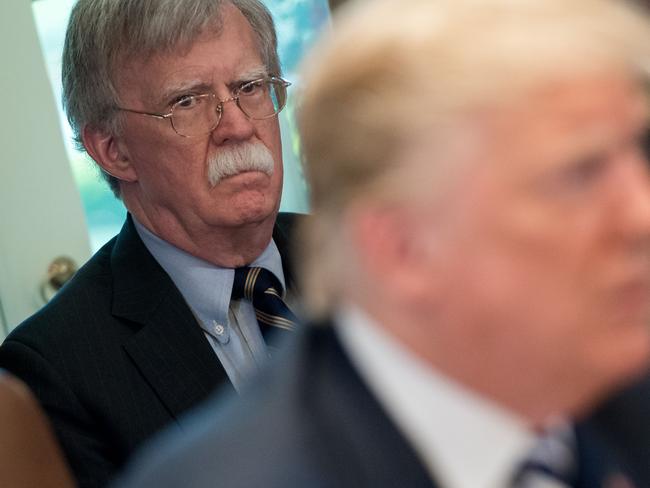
(108, 153)
(392, 247)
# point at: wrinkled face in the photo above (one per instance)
(173, 181)
(545, 239)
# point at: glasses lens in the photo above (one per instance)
(195, 115)
(262, 99)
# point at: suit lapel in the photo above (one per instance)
(361, 441)
(599, 465)
(622, 423)
(284, 236)
(168, 346)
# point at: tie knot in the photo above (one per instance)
(253, 283)
(552, 461)
(263, 289)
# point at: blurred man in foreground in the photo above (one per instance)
(478, 258)
(177, 102)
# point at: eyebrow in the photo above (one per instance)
(249, 75)
(201, 86)
(195, 86)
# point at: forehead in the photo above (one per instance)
(214, 57)
(560, 119)
(563, 119)
(514, 143)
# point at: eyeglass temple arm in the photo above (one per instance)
(150, 114)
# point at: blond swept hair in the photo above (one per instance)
(389, 68)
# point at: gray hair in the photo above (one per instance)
(102, 34)
(392, 73)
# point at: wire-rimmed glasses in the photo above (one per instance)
(198, 115)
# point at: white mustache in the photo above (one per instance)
(232, 160)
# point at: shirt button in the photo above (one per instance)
(220, 332)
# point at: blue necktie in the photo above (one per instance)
(263, 290)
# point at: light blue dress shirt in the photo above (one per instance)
(230, 326)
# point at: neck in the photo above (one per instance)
(489, 370)
(227, 246)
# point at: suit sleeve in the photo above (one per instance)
(74, 426)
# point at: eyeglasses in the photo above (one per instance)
(198, 115)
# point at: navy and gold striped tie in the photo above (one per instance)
(263, 290)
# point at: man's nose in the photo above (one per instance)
(634, 191)
(234, 124)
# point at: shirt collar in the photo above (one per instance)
(464, 440)
(205, 286)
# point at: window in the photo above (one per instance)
(297, 22)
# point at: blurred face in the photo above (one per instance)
(227, 178)
(542, 250)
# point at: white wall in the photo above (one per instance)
(40, 210)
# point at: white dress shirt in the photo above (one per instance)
(463, 439)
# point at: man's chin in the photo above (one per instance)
(252, 215)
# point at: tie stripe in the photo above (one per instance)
(262, 289)
(249, 287)
(275, 320)
(272, 291)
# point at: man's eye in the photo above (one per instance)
(186, 102)
(251, 88)
(584, 173)
(644, 144)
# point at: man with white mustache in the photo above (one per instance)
(177, 103)
(240, 158)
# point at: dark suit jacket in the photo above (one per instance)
(116, 355)
(311, 422)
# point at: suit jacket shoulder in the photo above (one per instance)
(116, 355)
(309, 422)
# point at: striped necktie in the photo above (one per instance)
(552, 462)
(263, 290)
